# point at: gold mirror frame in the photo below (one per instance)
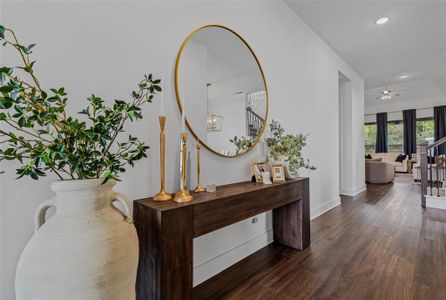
(177, 92)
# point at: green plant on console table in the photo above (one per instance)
(287, 146)
(44, 138)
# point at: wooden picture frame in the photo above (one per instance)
(257, 169)
(278, 173)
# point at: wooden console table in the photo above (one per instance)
(166, 229)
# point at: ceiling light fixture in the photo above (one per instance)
(382, 21)
(404, 76)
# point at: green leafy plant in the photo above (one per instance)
(280, 146)
(287, 146)
(44, 138)
(241, 143)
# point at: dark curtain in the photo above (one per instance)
(410, 131)
(381, 133)
(440, 126)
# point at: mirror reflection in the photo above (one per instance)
(225, 92)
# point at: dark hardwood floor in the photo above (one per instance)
(378, 245)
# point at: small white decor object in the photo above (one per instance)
(211, 188)
(87, 250)
(266, 177)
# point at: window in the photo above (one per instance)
(425, 131)
(395, 136)
(370, 137)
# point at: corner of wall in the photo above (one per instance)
(325, 207)
(352, 192)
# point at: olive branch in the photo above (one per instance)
(40, 134)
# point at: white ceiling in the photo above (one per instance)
(413, 42)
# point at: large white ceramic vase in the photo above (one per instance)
(87, 250)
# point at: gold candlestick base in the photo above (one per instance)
(199, 189)
(162, 196)
(182, 196)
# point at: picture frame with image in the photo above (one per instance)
(278, 173)
(259, 168)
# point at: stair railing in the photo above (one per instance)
(431, 159)
(254, 122)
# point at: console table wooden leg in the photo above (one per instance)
(166, 249)
(291, 222)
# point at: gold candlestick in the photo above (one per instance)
(183, 195)
(162, 195)
(199, 187)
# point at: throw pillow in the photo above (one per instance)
(400, 158)
(368, 156)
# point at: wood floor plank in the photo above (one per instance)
(378, 245)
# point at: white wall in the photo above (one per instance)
(192, 86)
(351, 165)
(233, 110)
(106, 47)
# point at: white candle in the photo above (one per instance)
(183, 115)
(162, 98)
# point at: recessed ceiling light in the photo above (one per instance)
(404, 76)
(382, 21)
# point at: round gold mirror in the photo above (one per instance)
(221, 82)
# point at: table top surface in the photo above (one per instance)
(223, 191)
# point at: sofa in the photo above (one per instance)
(390, 157)
(378, 171)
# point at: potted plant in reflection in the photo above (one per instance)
(242, 143)
(88, 249)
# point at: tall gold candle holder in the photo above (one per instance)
(199, 187)
(183, 195)
(162, 195)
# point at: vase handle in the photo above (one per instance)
(39, 218)
(125, 203)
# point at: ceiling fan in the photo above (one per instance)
(387, 94)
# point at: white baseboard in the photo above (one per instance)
(353, 192)
(215, 265)
(219, 263)
(436, 202)
(323, 208)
